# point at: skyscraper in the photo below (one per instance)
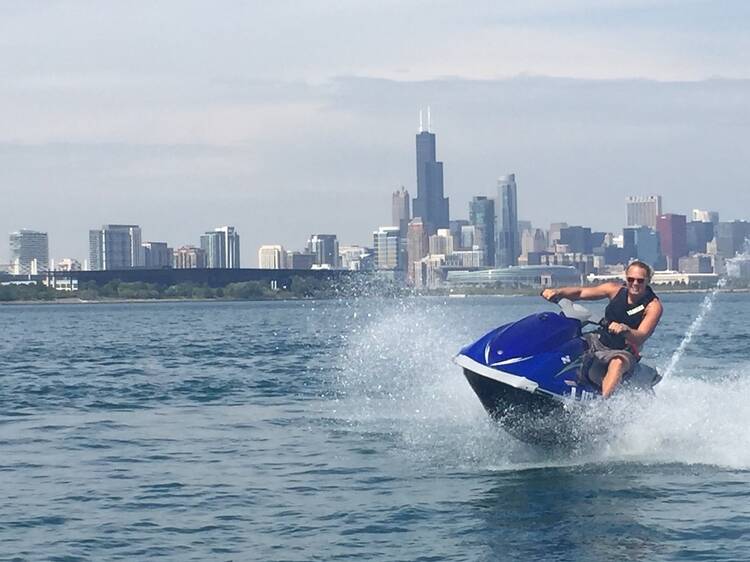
(642, 243)
(116, 246)
(578, 239)
(325, 248)
(508, 244)
(386, 241)
(231, 246)
(29, 252)
(417, 246)
(642, 211)
(222, 247)
(400, 209)
(429, 205)
(482, 217)
(672, 231)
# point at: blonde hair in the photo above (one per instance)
(643, 265)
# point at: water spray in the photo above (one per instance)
(705, 308)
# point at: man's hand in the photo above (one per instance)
(550, 294)
(617, 328)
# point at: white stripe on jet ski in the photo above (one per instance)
(495, 374)
(511, 361)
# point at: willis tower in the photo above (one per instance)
(429, 204)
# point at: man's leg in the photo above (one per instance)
(615, 370)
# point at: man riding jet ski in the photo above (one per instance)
(632, 314)
(528, 373)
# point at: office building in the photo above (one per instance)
(642, 211)
(553, 235)
(482, 217)
(401, 209)
(508, 245)
(222, 247)
(697, 263)
(730, 238)
(417, 247)
(387, 245)
(299, 260)
(468, 240)
(116, 246)
(356, 258)
(441, 242)
(272, 256)
(430, 204)
(699, 234)
(699, 215)
(639, 243)
(157, 255)
(577, 238)
(325, 248)
(189, 257)
(29, 252)
(672, 231)
(533, 241)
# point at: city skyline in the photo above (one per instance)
(161, 127)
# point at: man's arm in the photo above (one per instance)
(605, 290)
(651, 317)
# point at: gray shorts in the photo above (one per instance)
(603, 355)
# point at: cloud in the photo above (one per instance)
(291, 117)
(282, 171)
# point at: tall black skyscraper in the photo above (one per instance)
(429, 204)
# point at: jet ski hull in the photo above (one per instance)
(530, 416)
(528, 375)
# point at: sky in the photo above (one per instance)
(289, 118)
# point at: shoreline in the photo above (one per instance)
(77, 301)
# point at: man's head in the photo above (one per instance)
(637, 276)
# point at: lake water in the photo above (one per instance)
(340, 430)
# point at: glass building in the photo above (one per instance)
(116, 246)
(508, 243)
(482, 217)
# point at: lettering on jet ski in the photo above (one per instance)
(585, 395)
(569, 365)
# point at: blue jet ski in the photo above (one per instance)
(532, 375)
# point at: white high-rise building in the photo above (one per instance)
(272, 257)
(29, 252)
(222, 247)
(643, 210)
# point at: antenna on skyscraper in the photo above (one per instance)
(429, 120)
(420, 121)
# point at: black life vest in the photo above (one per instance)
(618, 310)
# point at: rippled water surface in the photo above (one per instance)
(341, 430)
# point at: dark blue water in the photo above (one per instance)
(341, 430)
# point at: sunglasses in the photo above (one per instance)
(637, 280)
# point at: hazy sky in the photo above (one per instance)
(287, 118)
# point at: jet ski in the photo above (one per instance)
(534, 375)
